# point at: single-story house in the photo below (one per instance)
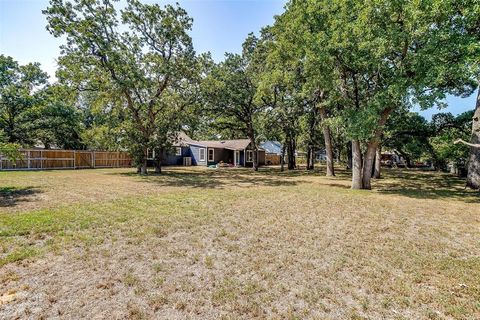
(187, 151)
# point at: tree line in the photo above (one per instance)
(341, 75)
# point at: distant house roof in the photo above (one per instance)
(238, 144)
(272, 147)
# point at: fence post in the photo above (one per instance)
(93, 157)
(74, 159)
(41, 159)
(28, 159)
(118, 159)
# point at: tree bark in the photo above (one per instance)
(356, 165)
(349, 155)
(369, 157)
(282, 159)
(368, 162)
(291, 154)
(143, 168)
(251, 135)
(158, 161)
(327, 135)
(473, 167)
(378, 163)
(310, 158)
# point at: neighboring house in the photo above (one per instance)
(206, 153)
(392, 159)
(321, 155)
(273, 152)
(272, 147)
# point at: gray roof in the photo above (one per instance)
(236, 144)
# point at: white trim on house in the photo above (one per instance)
(178, 151)
(236, 157)
(213, 154)
(200, 158)
(249, 156)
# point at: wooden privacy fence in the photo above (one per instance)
(35, 159)
(272, 159)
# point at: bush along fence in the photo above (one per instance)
(36, 159)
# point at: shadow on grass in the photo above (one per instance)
(426, 185)
(408, 183)
(11, 196)
(216, 178)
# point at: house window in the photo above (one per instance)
(249, 156)
(202, 154)
(211, 155)
(150, 154)
(178, 151)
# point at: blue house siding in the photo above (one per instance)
(195, 154)
(171, 159)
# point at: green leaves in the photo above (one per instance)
(21, 90)
(140, 58)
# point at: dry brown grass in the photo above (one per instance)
(208, 244)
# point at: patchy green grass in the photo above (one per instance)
(202, 243)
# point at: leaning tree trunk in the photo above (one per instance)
(327, 135)
(473, 167)
(356, 165)
(378, 163)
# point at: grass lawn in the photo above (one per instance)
(209, 244)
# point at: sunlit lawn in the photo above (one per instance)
(206, 244)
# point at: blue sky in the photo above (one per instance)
(219, 26)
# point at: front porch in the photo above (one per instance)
(230, 157)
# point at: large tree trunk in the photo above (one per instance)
(349, 155)
(356, 165)
(251, 135)
(158, 162)
(282, 159)
(378, 163)
(143, 168)
(327, 135)
(473, 167)
(310, 158)
(143, 162)
(291, 154)
(368, 163)
(369, 157)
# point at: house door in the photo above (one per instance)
(237, 157)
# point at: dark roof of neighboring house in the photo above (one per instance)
(272, 147)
